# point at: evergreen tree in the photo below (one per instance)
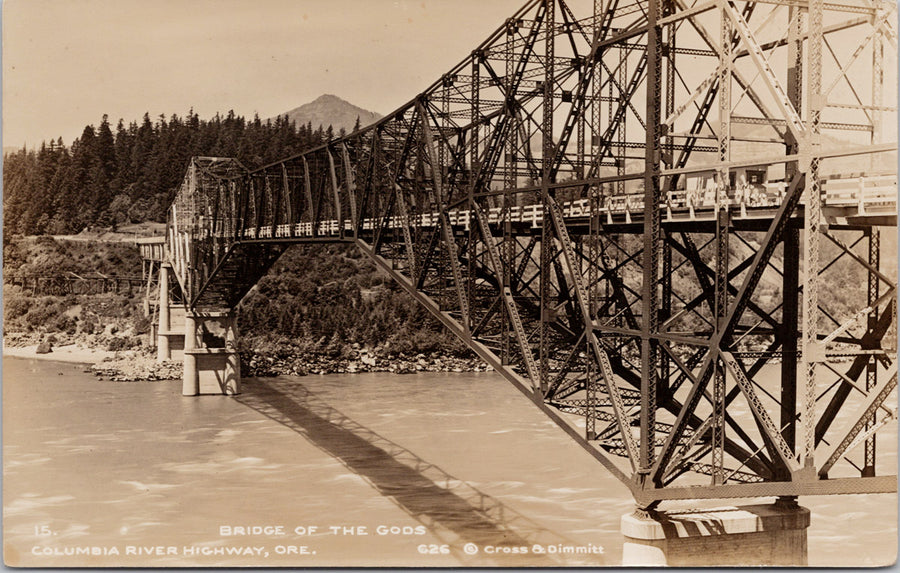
(106, 149)
(132, 174)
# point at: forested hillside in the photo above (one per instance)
(338, 312)
(319, 309)
(110, 176)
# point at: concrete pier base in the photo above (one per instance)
(191, 376)
(749, 535)
(162, 342)
(170, 342)
(169, 330)
(211, 362)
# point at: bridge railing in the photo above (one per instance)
(861, 194)
(534, 115)
(865, 193)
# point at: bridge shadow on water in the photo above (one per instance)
(454, 511)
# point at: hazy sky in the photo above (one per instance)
(67, 62)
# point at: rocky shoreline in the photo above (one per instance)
(139, 364)
(360, 361)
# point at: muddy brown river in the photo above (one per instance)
(342, 470)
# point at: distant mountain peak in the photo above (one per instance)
(329, 97)
(329, 109)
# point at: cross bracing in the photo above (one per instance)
(618, 205)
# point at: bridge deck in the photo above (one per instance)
(866, 201)
(699, 327)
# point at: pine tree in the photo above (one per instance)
(106, 149)
(108, 177)
(140, 154)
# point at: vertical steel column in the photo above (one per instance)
(241, 201)
(666, 303)
(724, 135)
(590, 421)
(669, 51)
(590, 381)
(270, 214)
(722, 223)
(597, 97)
(594, 68)
(307, 190)
(651, 254)
(507, 253)
(191, 228)
(789, 332)
(623, 125)
(670, 108)
(594, 254)
(350, 188)
(665, 311)
(473, 168)
(338, 210)
(723, 218)
(445, 121)
(547, 150)
(812, 350)
(367, 202)
(579, 134)
(286, 195)
(877, 80)
(255, 195)
(790, 316)
(868, 469)
(622, 80)
(409, 209)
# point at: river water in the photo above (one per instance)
(343, 470)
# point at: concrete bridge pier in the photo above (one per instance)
(162, 341)
(169, 326)
(211, 362)
(750, 535)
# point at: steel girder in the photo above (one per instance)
(645, 295)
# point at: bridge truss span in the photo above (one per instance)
(659, 219)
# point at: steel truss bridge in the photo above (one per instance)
(631, 209)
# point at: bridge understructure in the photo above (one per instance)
(639, 212)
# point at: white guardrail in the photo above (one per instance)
(864, 194)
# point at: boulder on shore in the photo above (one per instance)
(44, 348)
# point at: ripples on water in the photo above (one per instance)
(465, 455)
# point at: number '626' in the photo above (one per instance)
(434, 549)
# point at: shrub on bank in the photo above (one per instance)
(124, 343)
(45, 314)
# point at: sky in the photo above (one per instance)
(67, 62)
